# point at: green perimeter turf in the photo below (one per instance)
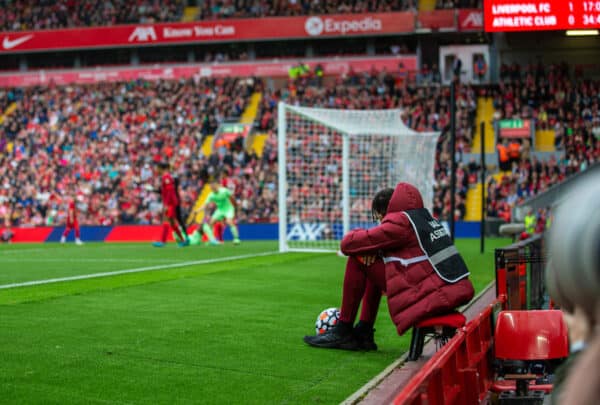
(228, 332)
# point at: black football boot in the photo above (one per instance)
(341, 336)
(364, 336)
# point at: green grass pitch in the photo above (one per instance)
(207, 325)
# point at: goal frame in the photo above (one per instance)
(282, 174)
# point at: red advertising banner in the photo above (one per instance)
(331, 66)
(134, 233)
(209, 31)
(470, 20)
(31, 234)
(540, 15)
(436, 19)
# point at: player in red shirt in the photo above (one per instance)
(71, 224)
(170, 200)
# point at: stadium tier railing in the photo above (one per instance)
(271, 68)
(461, 372)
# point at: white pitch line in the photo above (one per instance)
(53, 247)
(81, 260)
(129, 271)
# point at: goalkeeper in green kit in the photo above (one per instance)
(222, 197)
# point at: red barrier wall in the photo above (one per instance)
(31, 234)
(460, 372)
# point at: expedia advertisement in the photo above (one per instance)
(210, 31)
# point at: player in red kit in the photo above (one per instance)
(72, 224)
(170, 200)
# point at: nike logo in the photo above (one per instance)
(8, 44)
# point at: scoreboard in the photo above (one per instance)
(540, 15)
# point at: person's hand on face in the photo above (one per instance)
(368, 260)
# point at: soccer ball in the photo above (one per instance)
(327, 320)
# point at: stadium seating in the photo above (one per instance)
(525, 341)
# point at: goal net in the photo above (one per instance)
(331, 164)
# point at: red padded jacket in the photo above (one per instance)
(414, 292)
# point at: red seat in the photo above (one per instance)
(442, 327)
(523, 342)
(531, 335)
(453, 320)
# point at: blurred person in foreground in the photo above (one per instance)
(410, 257)
(573, 281)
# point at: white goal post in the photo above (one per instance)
(331, 164)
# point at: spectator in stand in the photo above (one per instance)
(436, 76)
(530, 222)
(514, 152)
(503, 155)
(480, 68)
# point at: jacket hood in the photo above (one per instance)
(405, 197)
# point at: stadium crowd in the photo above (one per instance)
(99, 142)
(272, 8)
(426, 110)
(23, 15)
(557, 98)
